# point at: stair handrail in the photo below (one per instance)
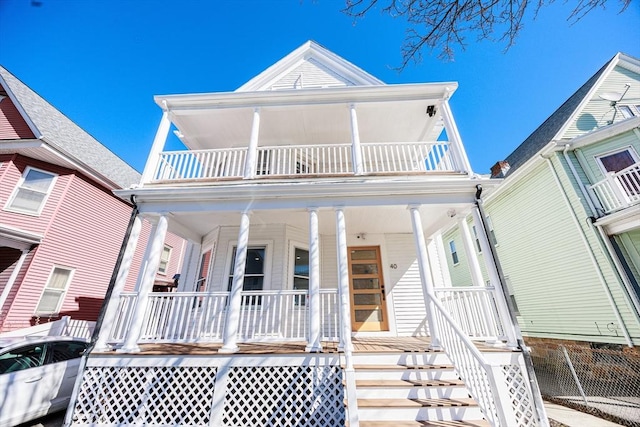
(471, 365)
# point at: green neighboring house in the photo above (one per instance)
(566, 219)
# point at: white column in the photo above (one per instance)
(343, 283)
(12, 278)
(118, 286)
(425, 275)
(157, 148)
(356, 148)
(494, 277)
(455, 141)
(146, 286)
(252, 151)
(314, 283)
(234, 303)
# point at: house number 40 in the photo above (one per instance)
(394, 266)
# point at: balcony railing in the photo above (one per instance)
(306, 160)
(619, 190)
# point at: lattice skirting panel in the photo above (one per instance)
(284, 396)
(186, 395)
(520, 396)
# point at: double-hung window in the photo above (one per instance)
(301, 273)
(54, 291)
(475, 236)
(253, 270)
(164, 259)
(454, 252)
(32, 191)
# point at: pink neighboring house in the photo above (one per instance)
(61, 227)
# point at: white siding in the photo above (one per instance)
(406, 288)
(310, 74)
(597, 111)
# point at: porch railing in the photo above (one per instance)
(619, 189)
(475, 311)
(406, 157)
(281, 315)
(501, 390)
(328, 159)
(305, 160)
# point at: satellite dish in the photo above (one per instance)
(611, 96)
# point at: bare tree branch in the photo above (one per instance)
(440, 25)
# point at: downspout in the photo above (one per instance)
(114, 275)
(594, 261)
(526, 354)
(583, 189)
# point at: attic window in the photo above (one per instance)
(629, 111)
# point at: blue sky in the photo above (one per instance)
(101, 62)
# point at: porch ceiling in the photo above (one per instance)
(310, 117)
(360, 220)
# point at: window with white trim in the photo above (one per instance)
(253, 270)
(32, 191)
(492, 233)
(301, 273)
(55, 290)
(475, 236)
(164, 259)
(512, 296)
(454, 252)
(617, 160)
(629, 111)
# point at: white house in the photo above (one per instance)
(315, 290)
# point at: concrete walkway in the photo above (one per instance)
(573, 418)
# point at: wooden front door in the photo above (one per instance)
(368, 305)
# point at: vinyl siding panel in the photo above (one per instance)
(328, 262)
(459, 272)
(85, 234)
(12, 124)
(597, 111)
(405, 286)
(310, 74)
(558, 291)
(6, 325)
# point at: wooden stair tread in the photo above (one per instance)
(416, 403)
(400, 367)
(409, 383)
(435, 423)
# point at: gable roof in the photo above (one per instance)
(556, 124)
(323, 68)
(66, 140)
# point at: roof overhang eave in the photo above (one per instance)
(354, 94)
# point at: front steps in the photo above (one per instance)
(412, 389)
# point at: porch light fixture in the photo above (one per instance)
(431, 110)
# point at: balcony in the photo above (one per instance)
(619, 190)
(302, 161)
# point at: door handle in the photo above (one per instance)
(32, 379)
(384, 294)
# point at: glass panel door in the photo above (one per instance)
(368, 305)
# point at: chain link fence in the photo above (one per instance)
(602, 382)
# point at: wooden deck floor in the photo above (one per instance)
(361, 345)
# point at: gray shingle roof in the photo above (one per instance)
(550, 127)
(64, 135)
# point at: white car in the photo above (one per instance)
(37, 375)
